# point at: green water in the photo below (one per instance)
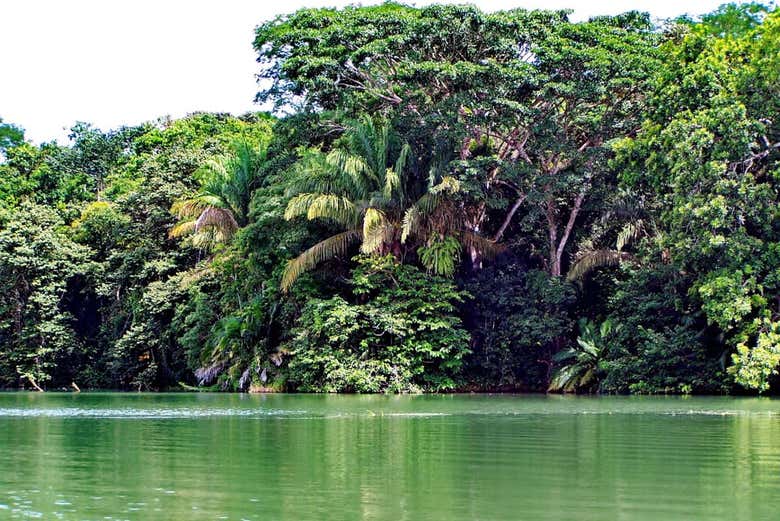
(172, 457)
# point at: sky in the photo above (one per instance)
(124, 62)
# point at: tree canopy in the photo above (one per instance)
(442, 199)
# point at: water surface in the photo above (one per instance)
(170, 457)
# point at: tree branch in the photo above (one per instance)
(508, 218)
(570, 225)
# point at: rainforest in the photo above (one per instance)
(436, 199)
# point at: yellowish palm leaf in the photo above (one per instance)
(181, 229)
(486, 247)
(322, 206)
(324, 250)
(376, 231)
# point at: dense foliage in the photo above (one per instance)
(444, 199)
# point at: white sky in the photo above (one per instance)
(115, 62)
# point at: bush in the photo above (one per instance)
(398, 331)
(521, 318)
(664, 344)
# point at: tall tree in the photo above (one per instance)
(10, 136)
(38, 266)
(524, 102)
(709, 153)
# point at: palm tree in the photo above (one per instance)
(221, 205)
(581, 362)
(362, 185)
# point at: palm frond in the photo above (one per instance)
(592, 260)
(392, 183)
(410, 222)
(181, 229)
(403, 158)
(564, 379)
(221, 219)
(322, 206)
(375, 230)
(566, 354)
(323, 250)
(313, 174)
(488, 248)
(433, 198)
(630, 232)
(589, 348)
(204, 240)
(625, 205)
(190, 208)
(588, 377)
(354, 167)
(331, 206)
(381, 144)
(214, 171)
(299, 205)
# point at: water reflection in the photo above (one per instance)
(164, 457)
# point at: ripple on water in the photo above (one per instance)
(161, 413)
(165, 413)
(185, 412)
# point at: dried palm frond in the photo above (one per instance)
(189, 208)
(488, 248)
(207, 375)
(376, 230)
(221, 219)
(629, 233)
(410, 222)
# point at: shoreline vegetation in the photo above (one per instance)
(442, 199)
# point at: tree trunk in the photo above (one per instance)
(500, 233)
(557, 247)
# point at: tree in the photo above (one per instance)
(363, 186)
(398, 331)
(519, 318)
(709, 154)
(221, 205)
(38, 264)
(10, 136)
(95, 155)
(524, 102)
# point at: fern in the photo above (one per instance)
(441, 257)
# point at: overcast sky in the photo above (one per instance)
(115, 62)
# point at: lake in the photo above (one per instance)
(169, 457)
